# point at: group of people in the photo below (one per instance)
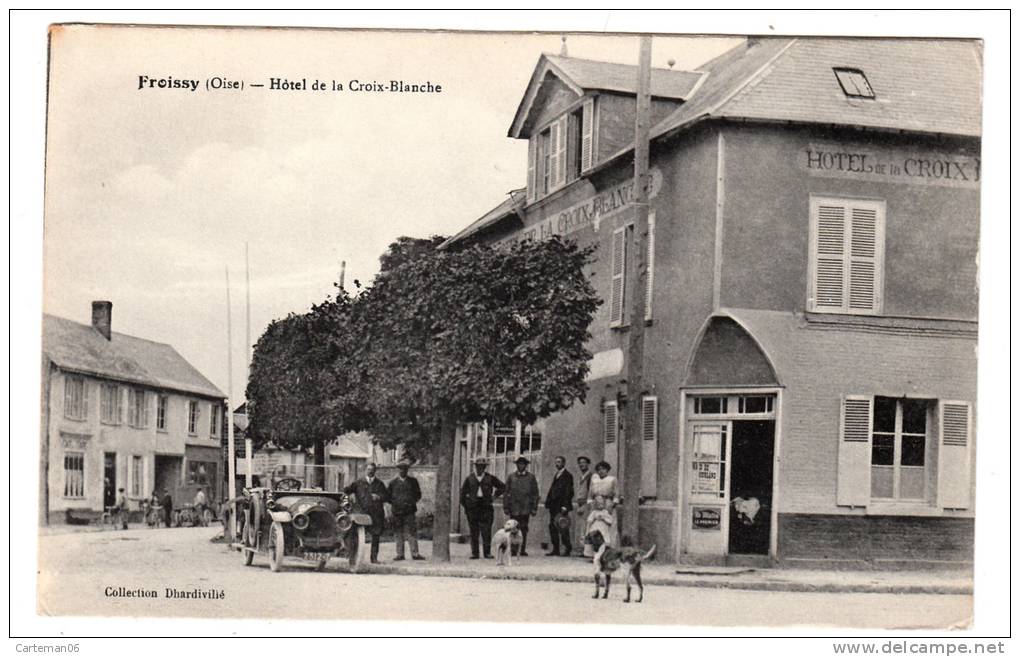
(402, 494)
(573, 513)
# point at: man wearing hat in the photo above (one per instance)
(476, 496)
(559, 501)
(521, 499)
(404, 494)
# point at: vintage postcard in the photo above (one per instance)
(511, 327)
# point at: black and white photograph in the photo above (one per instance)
(524, 328)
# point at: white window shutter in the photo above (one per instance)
(650, 266)
(610, 433)
(587, 135)
(558, 145)
(865, 258)
(829, 243)
(954, 454)
(532, 181)
(853, 476)
(649, 445)
(85, 398)
(619, 271)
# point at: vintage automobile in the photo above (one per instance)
(288, 519)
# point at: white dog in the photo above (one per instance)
(506, 541)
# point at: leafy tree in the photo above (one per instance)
(464, 336)
(299, 394)
(405, 249)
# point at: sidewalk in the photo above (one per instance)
(538, 567)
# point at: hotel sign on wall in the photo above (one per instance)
(890, 165)
(590, 212)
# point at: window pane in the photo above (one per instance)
(753, 404)
(882, 449)
(912, 483)
(912, 450)
(915, 415)
(881, 481)
(885, 414)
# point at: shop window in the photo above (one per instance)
(110, 403)
(138, 411)
(193, 418)
(74, 475)
(75, 398)
(201, 473)
(161, 405)
(847, 255)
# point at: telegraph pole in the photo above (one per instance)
(247, 332)
(636, 287)
(231, 461)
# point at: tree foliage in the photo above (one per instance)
(470, 335)
(299, 393)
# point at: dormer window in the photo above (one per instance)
(561, 151)
(854, 83)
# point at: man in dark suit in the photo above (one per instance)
(559, 501)
(370, 494)
(404, 495)
(476, 495)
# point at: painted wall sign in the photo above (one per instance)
(878, 164)
(706, 477)
(74, 440)
(703, 517)
(589, 212)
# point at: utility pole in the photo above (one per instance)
(248, 481)
(231, 460)
(631, 469)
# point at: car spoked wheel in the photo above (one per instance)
(247, 556)
(277, 545)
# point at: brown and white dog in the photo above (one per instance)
(506, 541)
(608, 560)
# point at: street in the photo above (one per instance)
(82, 574)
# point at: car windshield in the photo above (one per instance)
(326, 478)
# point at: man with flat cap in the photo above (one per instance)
(521, 500)
(405, 493)
(476, 495)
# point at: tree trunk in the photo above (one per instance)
(446, 451)
(318, 477)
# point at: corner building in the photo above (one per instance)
(811, 302)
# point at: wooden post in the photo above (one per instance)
(631, 455)
(232, 461)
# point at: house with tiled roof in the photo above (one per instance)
(119, 411)
(810, 307)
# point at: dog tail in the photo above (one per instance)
(649, 554)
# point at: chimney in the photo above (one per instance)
(102, 316)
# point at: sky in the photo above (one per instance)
(152, 194)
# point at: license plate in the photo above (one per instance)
(315, 556)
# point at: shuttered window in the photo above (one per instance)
(650, 262)
(955, 449)
(618, 278)
(587, 135)
(853, 477)
(138, 409)
(847, 244)
(532, 169)
(649, 445)
(610, 432)
(558, 142)
(193, 417)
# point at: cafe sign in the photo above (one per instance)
(707, 518)
(891, 165)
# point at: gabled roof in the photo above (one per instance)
(80, 348)
(583, 75)
(920, 85)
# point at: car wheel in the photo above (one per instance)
(357, 554)
(277, 545)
